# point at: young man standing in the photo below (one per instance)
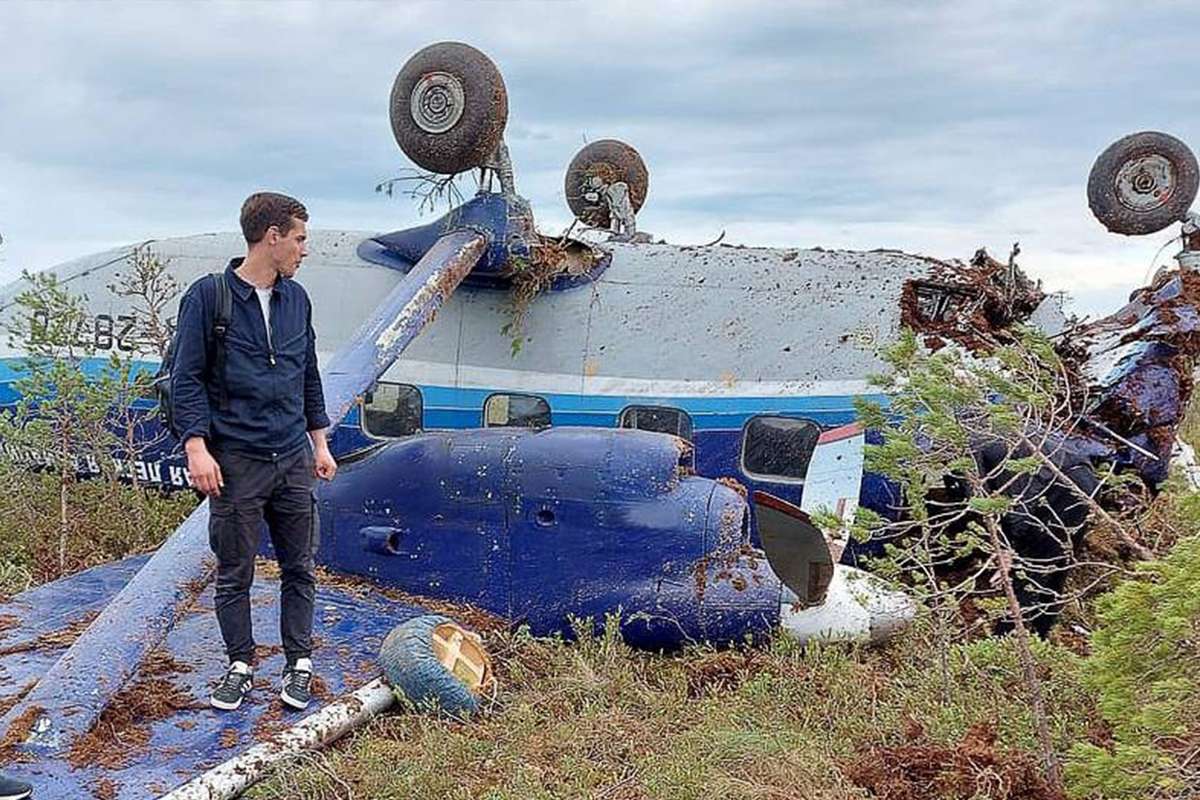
(250, 411)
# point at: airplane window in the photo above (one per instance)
(778, 448)
(392, 410)
(516, 411)
(658, 419)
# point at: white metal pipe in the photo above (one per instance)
(339, 717)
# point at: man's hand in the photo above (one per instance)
(203, 468)
(323, 464)
(324, 467)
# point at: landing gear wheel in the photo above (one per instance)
(449, 108)
(434, 663)
(612, 161)
(1142, 183)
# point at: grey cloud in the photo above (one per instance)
(837, 114)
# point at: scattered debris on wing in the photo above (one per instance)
(125, 724)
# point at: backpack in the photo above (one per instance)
(216, 345)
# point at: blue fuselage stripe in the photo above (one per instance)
(451, 407)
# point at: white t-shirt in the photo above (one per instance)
(264, 300)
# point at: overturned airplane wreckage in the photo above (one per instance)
(597, 467)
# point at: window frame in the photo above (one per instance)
(683, 415)
(549, 411)
(362, 419)
(780, 479)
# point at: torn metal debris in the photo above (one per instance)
(975, 304)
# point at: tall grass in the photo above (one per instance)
(107, 520)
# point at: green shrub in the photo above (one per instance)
(1145, 670)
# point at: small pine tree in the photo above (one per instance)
(976, 445)
(61, 422)
(73, 422)
(148, 286)
(1145, 670)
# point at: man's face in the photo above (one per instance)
(288, 250)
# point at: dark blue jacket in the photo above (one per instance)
(274, 392)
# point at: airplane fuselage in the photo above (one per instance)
(755, 355)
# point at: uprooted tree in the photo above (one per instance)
(993, 500)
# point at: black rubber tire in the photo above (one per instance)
(412, 669)
(614, 161)
(1102, 190)
(475, 135)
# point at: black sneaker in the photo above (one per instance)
(13, 790)
(297, 684)
(233, 687)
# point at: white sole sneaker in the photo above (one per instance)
(237, 683)
(218, 704)
(289, 701)
(224, 705)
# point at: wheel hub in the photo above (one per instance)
(1146, 183)
(437, 102)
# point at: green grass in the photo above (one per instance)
(596, 719)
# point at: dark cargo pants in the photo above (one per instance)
(279, 492)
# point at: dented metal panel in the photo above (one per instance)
(1138, 364)
(540, 527)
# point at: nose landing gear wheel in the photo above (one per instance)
(449, 107)
(1142, 183)
(611, 161)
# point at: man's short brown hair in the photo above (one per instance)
(264, 209)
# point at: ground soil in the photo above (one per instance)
(971, 769)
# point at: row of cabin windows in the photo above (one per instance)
(773, 448)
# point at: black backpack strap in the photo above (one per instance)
(220, 326)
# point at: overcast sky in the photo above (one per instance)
(931, 127)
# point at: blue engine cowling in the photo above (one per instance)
(506, 221)
(542, 527)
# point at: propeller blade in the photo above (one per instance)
(796, 549)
